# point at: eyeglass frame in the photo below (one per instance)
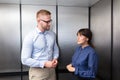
(46, 21)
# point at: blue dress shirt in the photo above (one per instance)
(85, 61)
(39, 47)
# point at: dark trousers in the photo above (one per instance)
(81, 78)
(86, 78)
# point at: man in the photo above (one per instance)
(40, 51)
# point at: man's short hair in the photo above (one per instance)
(43, 12)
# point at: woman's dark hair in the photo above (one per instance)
(87, 33)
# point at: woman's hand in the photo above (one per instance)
(70, 68)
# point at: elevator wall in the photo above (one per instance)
(9, 45)
(116, 40)
(105, 21)
(101, 27)
(9, 40)
(70, 20)
(18, 20)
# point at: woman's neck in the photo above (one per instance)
(85, 45)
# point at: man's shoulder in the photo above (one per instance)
(31, 34)
(51, 32)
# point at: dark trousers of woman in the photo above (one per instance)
(86, 78)
(81, 78)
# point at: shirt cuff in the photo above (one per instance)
(76, 71)
(42, 64)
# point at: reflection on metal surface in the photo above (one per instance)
(9, 38)
(69, 23)
(101, 27)
(83, 3)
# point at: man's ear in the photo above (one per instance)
(38, 19)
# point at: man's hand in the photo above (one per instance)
(48, 64)
(51, 64)
(55, 62)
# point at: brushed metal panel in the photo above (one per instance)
(80, 3)
(101, 28)
(84, 3)
(29, 19)
(70, 20)
(9, 38)
(67, 76)
(10, 1)
(25, 77)
(116, 40)
(11, 78)
(39, 2)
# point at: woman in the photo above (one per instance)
(84, 61)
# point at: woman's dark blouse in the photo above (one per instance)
(85, 61)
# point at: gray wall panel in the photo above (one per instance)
(67, 76)
(10, 78)
(70, 20)
(9, 38)
(26, 77)
(101, 28)
(116, 40)
(29, 19)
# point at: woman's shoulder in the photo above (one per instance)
(91, 49)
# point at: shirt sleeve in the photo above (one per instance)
(26, 54)
(56, 51)
(90, 72)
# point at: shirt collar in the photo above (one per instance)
(40, 32)
(84, 47)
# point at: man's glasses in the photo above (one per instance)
(46, 21)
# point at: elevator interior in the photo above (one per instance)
(17, 18)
